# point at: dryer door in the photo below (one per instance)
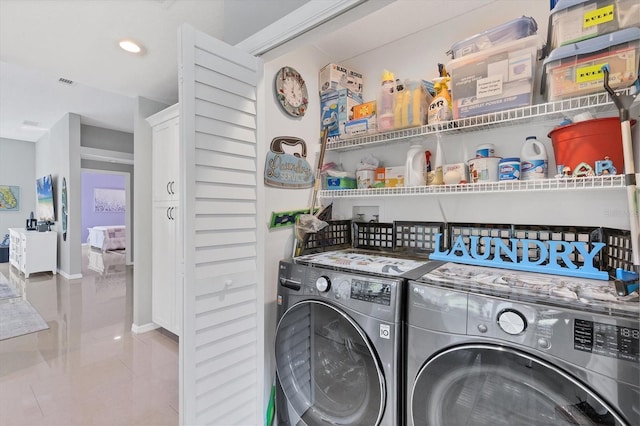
(494, 385)
(327, 368)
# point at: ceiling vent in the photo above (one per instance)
(66, 81)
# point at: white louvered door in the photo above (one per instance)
(222, 343)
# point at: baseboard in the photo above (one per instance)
(70, 276)
(139, 329)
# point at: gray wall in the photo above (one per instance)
(18, 168)
(58, 154)
(244, 18)
(99, 138)
(142, 214)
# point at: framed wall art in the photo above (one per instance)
(107, 200)
(9, 198)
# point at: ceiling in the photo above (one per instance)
(42, 41)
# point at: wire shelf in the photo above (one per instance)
(577, 184)
(596, 103)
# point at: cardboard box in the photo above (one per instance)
(459, 169)
(394, 176)
(336, 109)
(335, 77)
(341, 183)
(494, 79)
(360, 126)
(364, 110)
(379, 178)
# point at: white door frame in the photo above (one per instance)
(127, 214)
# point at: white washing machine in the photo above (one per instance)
(338, 347)
(495, 347)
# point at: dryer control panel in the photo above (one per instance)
(371, 291)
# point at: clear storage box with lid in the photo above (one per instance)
(495, 79)
(571, 21)
(509, 31)
(576, 69)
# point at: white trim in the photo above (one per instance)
(145, 328)
(302, 19)
(69, 276)
(106, 155)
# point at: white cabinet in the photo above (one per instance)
(167, 284)
(33, 251)
(166, 153)
(166, 252)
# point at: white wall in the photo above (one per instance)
(17, 168)
(58, 154)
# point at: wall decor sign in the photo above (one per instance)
(9, 198)
(286, 164)
(107, 200)
(553, 256)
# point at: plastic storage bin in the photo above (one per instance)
(495, 79)
(576, 69)
(571, 21)
(509, 31)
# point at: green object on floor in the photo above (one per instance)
(271, 408)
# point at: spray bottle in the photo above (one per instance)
(440, 108)
(385, 102)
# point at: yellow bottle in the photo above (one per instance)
(440, 108)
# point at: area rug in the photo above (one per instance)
(7, 291)
(17, 316)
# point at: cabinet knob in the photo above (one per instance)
(168, 189)
(228, 283)
(168, 217)
(172, 182)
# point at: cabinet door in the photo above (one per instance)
(166, 152)
(164, 270)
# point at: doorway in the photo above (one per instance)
(106, 201)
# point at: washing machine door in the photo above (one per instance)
(328, 370)
(492, 385)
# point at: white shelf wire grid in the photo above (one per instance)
(596, 103)
(561, 184)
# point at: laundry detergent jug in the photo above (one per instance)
(533, 160)
(416, 163)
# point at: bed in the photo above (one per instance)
(107, 237)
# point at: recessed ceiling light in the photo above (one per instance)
(130, 46)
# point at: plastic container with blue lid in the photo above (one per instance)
(576, 69)
(509, 31)
(572, 21)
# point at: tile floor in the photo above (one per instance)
(88, 368)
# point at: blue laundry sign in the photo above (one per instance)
(552, 257)
(286, 164)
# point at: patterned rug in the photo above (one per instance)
(17, 316)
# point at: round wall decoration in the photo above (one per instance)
(291, 91)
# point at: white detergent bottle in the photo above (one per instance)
(533, 160)
(416, 163)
